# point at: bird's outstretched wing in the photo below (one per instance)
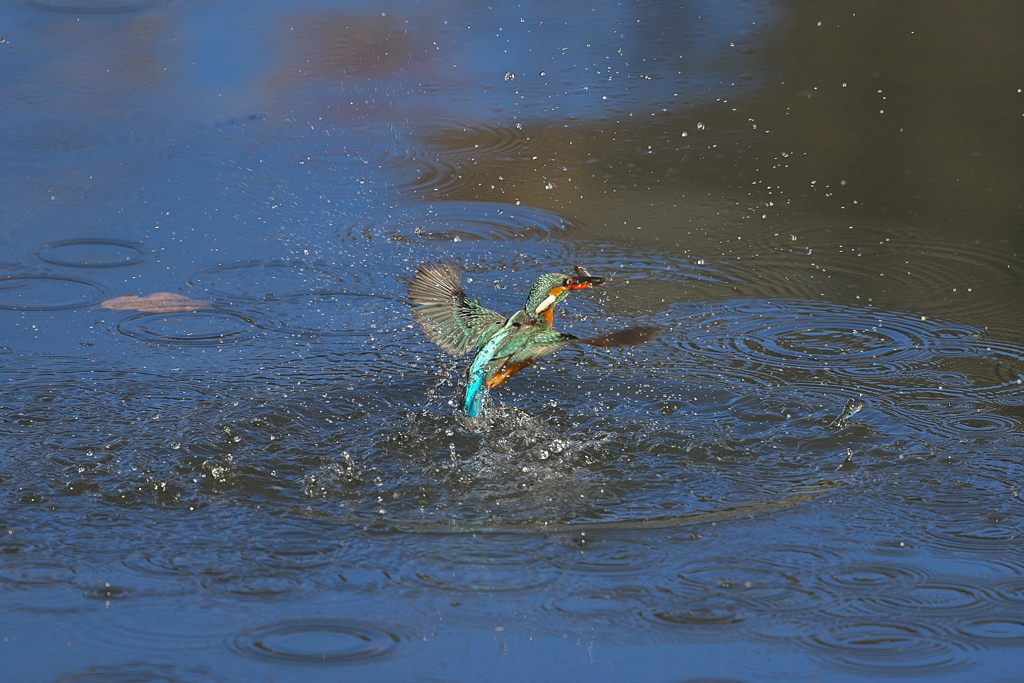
(489, 372)
(546, 343)
(448, 317)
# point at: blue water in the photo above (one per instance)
(227, 453)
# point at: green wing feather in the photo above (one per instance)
(542, 344)
(447, 316)
(547, 342)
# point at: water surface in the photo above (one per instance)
(813, 474)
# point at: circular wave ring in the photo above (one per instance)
(615, 604)
(976, 536)
(887, 648)
(200, 328)
(36, 574)
(249, 585)
(808, 335)
(952, 414)
(46, 293)
(92, 253)
(872, 576)
(994, 630)
(697, 614)
(949, 597)
(315, 641)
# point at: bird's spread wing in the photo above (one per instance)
(546, 343)
(448, 317)
(543, 344)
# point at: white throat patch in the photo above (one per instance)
(544, 305)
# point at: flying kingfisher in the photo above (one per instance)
(504, 346)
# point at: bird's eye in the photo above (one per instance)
(517, 324)
(566, 282)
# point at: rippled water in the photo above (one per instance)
(812, 474)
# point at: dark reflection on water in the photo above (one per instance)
(813, 474)
(133, 672)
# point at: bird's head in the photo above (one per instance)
(549, 289)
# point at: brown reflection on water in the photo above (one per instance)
(880, 110)
(895, 130)
(342, 48)
(917, 106)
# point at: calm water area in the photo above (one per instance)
(260, 473)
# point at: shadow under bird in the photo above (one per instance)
(504, 346)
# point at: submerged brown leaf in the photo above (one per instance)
(158, 302)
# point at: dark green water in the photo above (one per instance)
(821, 207)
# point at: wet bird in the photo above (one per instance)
(504, 346)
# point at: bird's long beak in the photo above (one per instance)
(583, 279)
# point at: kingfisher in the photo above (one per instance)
(504, 346)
